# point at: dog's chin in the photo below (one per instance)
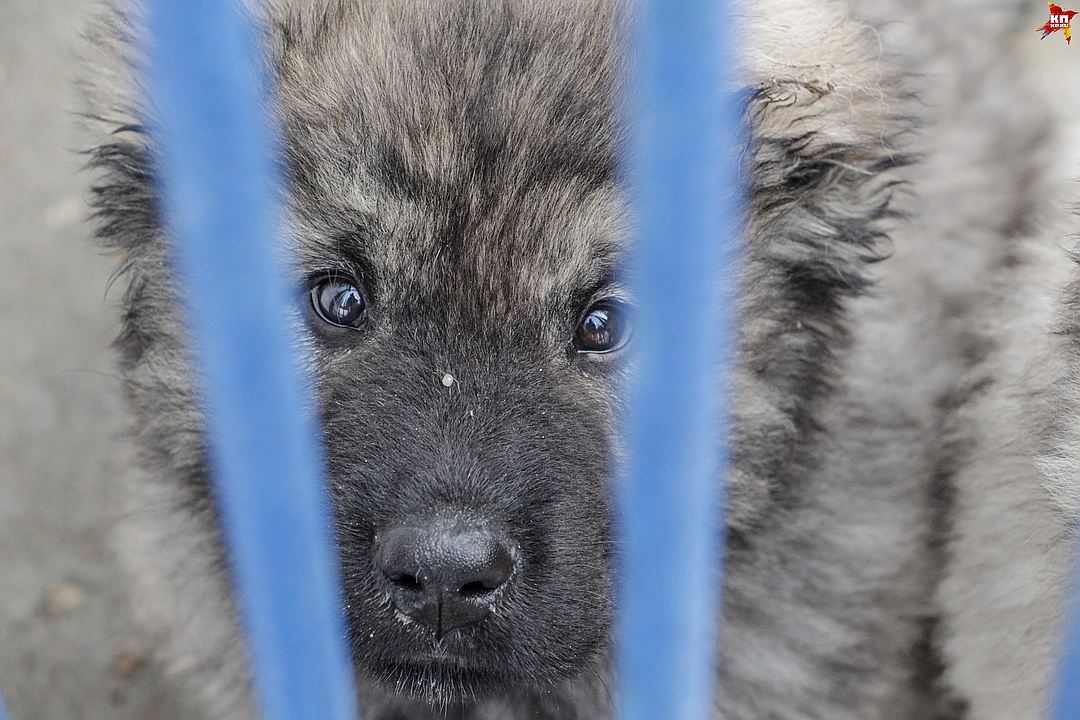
(442, 682)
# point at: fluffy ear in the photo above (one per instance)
(825, 138)
(821, 172)
(114, 112)
(120, 156)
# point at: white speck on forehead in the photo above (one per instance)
(447, 380)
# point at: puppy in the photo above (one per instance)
(456, 211)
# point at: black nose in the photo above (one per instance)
(444, 575)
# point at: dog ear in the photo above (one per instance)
(827, 116)
(114, 113)
(822, 171)
(820, 205)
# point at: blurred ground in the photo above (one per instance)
(67, 647)
(68, 650)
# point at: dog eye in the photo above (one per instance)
(339, 301)
(605, 328)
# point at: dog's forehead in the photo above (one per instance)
(546, 246)
(476, 146)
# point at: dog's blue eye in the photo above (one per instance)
(339, 301)
(605, 328)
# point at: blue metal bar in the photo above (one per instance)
(3, 712)
(219, 178)
(684, 160)
(1067, 702)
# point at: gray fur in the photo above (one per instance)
(462, 158)
(1011, 427)
(1014, 498)
(1006, 487)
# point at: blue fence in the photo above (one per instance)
(220, 184)
(685, 131)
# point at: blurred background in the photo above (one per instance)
(68, 648)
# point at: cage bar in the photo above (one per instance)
(1067, 700)
(683, 156)
(216, 165)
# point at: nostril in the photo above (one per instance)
(490, 565)
(407, 582)
(478, 588)
(396, 560)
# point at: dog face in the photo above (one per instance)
(459, 226)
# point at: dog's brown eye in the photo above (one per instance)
(605, 328)
(338, 301)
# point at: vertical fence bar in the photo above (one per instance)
(3, 712)
(683, 156)
(219, 180)
(1067, 701)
